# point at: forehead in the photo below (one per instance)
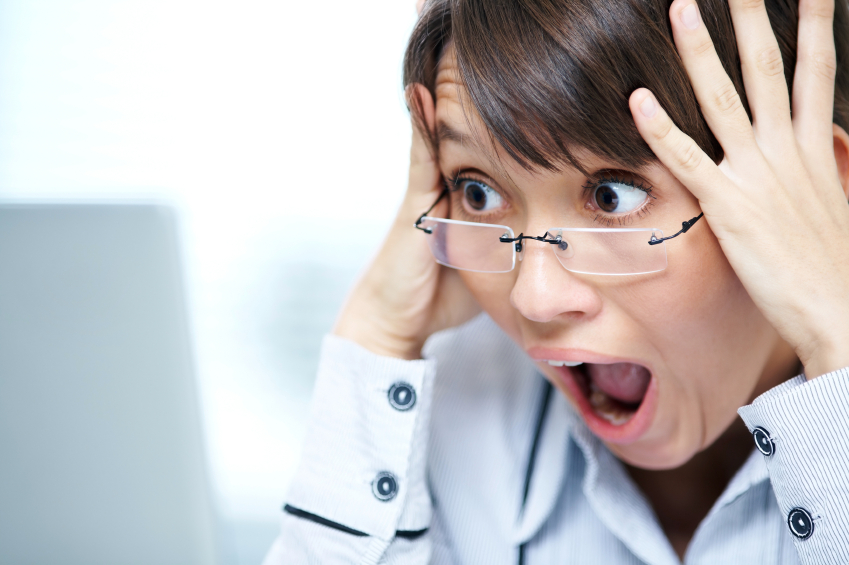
(458, 126)
(457, 121)
(460, 132)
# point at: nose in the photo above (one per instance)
(545, 290)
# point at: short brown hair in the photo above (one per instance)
(547, 76)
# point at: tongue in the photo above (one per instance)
(625, 382)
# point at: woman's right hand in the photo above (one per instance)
(405, 295)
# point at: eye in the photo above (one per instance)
(479, 196)
(619, 197)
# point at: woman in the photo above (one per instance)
(625, 193)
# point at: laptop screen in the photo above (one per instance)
(102, 450)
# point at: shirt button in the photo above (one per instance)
(800, 522)
(402, 396)
(763, 441)
(384, 486)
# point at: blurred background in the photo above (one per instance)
(278, 132)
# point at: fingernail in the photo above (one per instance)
(690, 17)
(648, 107)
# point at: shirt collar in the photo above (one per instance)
(547, 479)
(618, 502)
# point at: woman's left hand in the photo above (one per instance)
(776, 202)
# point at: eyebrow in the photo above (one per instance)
(445, 133)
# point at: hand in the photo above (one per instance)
(776, 201)
(405, 295)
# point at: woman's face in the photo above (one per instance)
(667, 357)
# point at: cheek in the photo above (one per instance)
(693, 300)
(698, 307)
(710, 336)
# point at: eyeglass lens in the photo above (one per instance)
(470, 247)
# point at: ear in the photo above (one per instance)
(841, 155)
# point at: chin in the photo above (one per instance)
(657, 456)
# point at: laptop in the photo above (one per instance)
(101, 450)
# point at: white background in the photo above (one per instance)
(278, 131)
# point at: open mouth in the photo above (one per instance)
(614, 391)
(616, 399)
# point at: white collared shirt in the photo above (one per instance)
(434, 470)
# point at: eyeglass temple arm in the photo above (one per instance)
(684, 227)
(432, 206)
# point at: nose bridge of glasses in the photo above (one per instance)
(518, 241)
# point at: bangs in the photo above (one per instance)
(550, 77)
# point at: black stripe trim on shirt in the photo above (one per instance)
(323, 521)
(410, 534)
(289, 509)
(546, 398)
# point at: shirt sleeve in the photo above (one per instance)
(802, 429)
(360, 493)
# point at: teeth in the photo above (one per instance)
(567, 363)
(605, 407)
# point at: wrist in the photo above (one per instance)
(378, 341)
(390, 310)
(827, 354)
(366, 321)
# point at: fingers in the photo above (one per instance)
(681, 155)
(421, 154)
(720, 103)
(422, 115)
(813, 84)
(763, 70)
(424, 168)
